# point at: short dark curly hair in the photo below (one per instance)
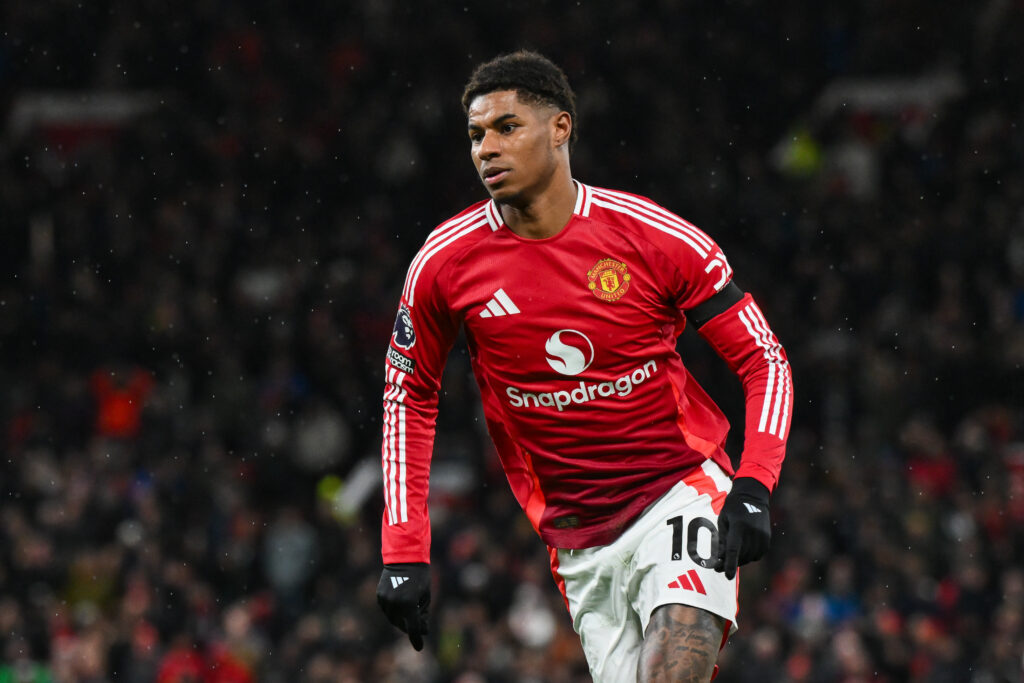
(534, 77)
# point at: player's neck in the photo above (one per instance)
(546, 214)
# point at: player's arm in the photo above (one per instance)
(736, 328)
(698, 280)
(423, 335)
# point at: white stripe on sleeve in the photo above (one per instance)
(402, 498)
(770, 388)
(438, 240)
(385, 447)
(660, 213)
(441, 232)
(781, 408)
(394, 449)
(603, 200)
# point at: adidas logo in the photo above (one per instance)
(689, 581)
(397, 581)
(751, 508)
(499, 305)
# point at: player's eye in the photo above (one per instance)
(476, 136)
(508, 128)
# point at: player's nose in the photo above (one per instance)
(489, 147)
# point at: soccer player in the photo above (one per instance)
(572, 298)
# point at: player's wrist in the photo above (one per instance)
(748, 487)
(406, 566)
(417, 574)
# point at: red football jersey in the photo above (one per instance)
(573, 344)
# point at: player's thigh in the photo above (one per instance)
(680, 645)
(610, 631)
(612, 647)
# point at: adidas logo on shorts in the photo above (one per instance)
(690, 581)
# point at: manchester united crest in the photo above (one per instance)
(608, 279)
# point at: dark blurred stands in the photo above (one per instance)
(207, 210)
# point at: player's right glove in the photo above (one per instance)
(744, 525)
(404, 594)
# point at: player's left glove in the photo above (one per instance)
(744, 525)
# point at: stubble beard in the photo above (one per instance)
(524, 197)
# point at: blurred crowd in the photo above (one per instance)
(196, 301)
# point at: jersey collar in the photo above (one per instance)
(582, 208)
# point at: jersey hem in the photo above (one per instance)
(607, 532)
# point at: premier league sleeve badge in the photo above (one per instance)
(404, 336)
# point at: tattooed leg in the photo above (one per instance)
(680, 645)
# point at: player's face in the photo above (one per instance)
(514, 145)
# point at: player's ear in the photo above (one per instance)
(562, 125)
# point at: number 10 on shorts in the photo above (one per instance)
(701, 540)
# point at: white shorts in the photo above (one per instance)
(663, 558)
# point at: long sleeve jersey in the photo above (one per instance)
(572, 341)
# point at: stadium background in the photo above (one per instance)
(207, 209)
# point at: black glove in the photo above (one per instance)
(744, 526)
(404, 594)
